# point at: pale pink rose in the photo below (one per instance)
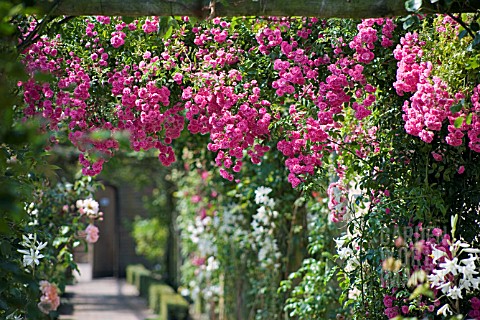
(91, 233)
(49, 301)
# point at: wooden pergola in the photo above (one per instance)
(228, 8)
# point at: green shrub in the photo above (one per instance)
(173, 307)
(155, 295)
(146, 281)
(137, 278)
(150, 238)
(131, 271)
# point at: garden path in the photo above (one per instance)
(104, 299)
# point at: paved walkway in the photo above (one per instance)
(105, 299)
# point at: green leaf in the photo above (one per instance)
(233, 23)
(473, 63)
(458, 122)
(413, 5)
(457, 107)
(100, 135)
(475, 43)
(469, 119)
(462, 34)
(6, 29)
(168, 33)
(127, 20)
(163, 24)
(448, 3)
(423, 290)
(408, 22)
(44, 77)
(16, 10)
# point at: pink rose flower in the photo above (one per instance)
(178, 77)
(117, 41)
(437, 156)
(49, 301)
(91, 233)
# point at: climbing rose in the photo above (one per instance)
(91, 233)
(49, 301)
(118, 39)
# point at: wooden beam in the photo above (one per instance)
(229, 8)
(131, 8)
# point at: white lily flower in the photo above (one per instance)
(468, 272)
(345, 253)
(475, 283)
(450, 265)
(27, 241)
(31, 257)
(445, 287)
(444, 309)
(41, 245)
(435, 279)
(455, 293)
(340, 241)
(454, 247)
(470, 260)
(437, 254)
(471, 250)
(31, 253)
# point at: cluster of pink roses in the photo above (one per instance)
(298, 76)
(432, 105)
(226, 106)
(217, 98)
(90, 209)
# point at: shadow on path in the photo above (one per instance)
(104, 299)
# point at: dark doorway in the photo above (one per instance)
(105, 253)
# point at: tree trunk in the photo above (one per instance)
(297, 241)
(229, 8)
